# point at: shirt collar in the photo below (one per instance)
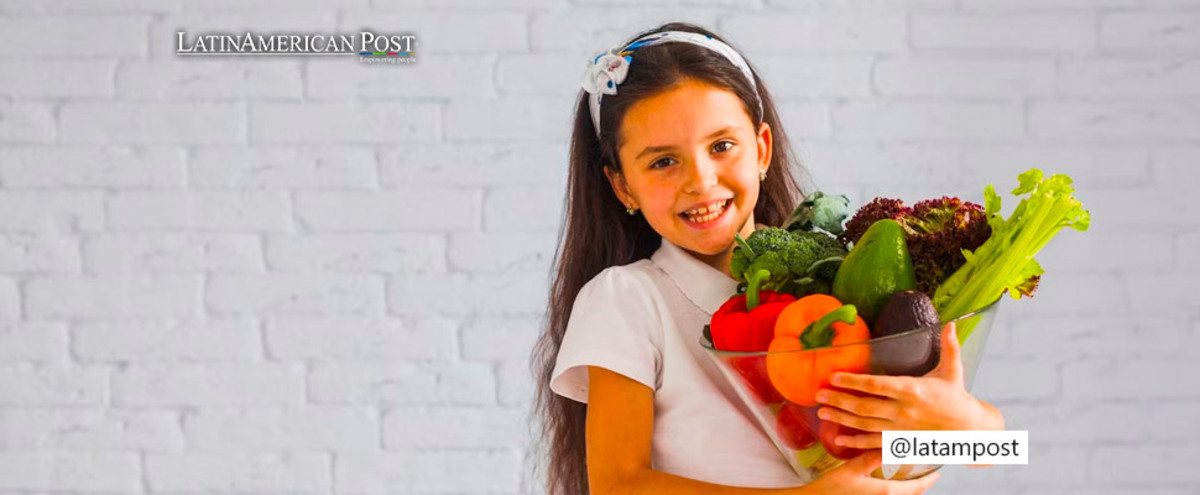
(707, 287)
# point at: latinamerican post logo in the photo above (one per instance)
(369, 47)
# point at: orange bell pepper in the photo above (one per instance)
(809, 346)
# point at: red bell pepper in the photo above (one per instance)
(794, 427)
(753, 370)
(827, 431)
(746, 322)
(830, 430)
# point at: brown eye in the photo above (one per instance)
(664, 162)
(730, 143)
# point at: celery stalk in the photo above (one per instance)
(1005, 262)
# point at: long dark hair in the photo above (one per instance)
(598, 233)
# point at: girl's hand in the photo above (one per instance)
(855, 477)
(937, 401)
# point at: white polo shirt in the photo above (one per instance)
(644, 320)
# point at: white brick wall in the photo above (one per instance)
(308, 275)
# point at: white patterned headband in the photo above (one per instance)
(608, 69)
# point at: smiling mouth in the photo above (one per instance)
(708, 214)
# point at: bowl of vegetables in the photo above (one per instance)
(821, 294)
(779, 385)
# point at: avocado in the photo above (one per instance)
(877, 267)
(914, 354)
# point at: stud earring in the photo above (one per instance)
(762, 175)
(631, 210)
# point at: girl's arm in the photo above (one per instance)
(620, 421)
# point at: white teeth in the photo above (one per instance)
(706, 213)
(705, 209)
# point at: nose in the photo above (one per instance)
(701, 175)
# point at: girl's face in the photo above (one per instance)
(692, 147)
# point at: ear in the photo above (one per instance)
(617, 180)
(765, 142)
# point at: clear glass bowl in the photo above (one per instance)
(803, 438)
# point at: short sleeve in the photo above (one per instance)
(615, 325)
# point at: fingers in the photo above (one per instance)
(865, 442)
(913, 487)
(861, 465)
(950, 345)
(950, 363)
(870, 407)
(869, 461)
(894, 387)
(853, 420)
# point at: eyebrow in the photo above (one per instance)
(656, 149)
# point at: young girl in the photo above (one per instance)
(676, 147)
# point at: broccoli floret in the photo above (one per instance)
(826, 247)
(800, 254)
(742, 258)
(769, 239)
(810, 247)
(772, 262)
(790, 258)
(814, 260)
(763, 240)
